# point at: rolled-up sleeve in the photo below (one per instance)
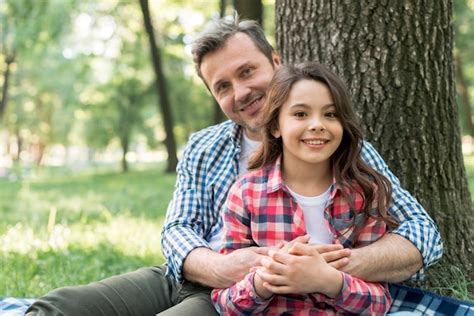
(185, 224)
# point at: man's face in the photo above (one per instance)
(238, 75)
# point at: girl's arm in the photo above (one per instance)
(358, 296)
(241, 298)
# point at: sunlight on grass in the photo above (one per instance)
(131, 236)
(76, 228)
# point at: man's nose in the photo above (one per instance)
(241, 92)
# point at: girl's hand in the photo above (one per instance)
(286, 273)
(261, 290)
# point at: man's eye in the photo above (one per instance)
(222, 87)
(247, 72)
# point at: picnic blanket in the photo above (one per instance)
(405, 299)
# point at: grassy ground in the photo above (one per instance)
(104, 224)
(61, 228)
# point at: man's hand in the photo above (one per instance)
(237, 264)
(205, 266)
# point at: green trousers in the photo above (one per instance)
(144, 292)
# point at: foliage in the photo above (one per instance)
(88, 52)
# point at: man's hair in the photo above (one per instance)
(348, 166)
(219, 31)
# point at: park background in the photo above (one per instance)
(99, 97)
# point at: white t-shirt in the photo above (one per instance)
(313, 210)
(247, 148)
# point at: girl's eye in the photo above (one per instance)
(300, 114)
(331, 114)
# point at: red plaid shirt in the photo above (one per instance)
(261, 212)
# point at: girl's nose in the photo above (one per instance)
(316, 125)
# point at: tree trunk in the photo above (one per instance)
(250, 9)
(125, 143)
(463, 93)
(396, 57)
(39, 148)
(161, 89)
(6, 77)
(19, 145)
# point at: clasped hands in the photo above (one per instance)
(298, 267)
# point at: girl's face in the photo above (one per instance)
(309, 126)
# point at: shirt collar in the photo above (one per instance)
(275, 179)
(234, 132)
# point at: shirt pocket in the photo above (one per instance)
(346, 225)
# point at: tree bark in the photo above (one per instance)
(250, 9)
(396, 58)
(161, 88)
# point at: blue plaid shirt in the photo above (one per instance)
(208, 169)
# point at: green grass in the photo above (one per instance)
(105, 224)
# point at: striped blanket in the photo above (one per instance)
(405, 299)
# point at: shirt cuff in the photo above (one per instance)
(178, 242)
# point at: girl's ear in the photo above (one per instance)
(276, 133)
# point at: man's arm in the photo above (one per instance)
(397, 255)
(189, 213)
(392, 258)
(205, 266)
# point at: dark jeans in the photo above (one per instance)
(144, 292)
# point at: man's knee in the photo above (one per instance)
(62, 301)
(143, 292)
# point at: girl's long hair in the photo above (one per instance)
(346, 161)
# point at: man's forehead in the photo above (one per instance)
(239, 50)
(224, 61)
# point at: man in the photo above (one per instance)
(236, 63)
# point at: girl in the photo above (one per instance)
(308, 179)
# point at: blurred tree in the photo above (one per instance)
(464, 45)
(34, 40)
(396, 58)
(119, 114)
(219, 116)
(250, 9)
(26, 27)
(161, 88)
(463, 91)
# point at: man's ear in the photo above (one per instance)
(276, 59)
